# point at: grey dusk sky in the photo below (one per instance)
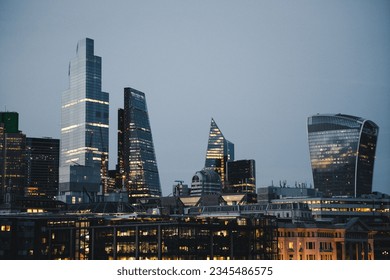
(259, 68)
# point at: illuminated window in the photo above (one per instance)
(5, 228)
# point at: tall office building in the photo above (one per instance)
(241, 176)
(136, 156)
(342, 152)
(12, 158)
(42, 167)
(84, 128)
(219, 152)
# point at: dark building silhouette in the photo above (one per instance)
(10, 121)
(136, 156)
(120, 167)
(342, 152)
(241, 175)
(180, 189)
(12, 158)
(97, 237)
(42, 167)
(219, 152)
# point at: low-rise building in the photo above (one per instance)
(318, 241)
(136, 237)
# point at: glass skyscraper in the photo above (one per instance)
(219, 152)
(137, 159)
(342, 153)
(84, 126)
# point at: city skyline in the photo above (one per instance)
(259, 69)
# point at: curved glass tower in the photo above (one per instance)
(138, 159)
(342, 153)
(219, 152)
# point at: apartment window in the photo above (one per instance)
(310, 245)
(325, 246)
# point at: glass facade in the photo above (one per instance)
(42, 167)
(84, 122)
(241, 176)
(12, 165)
(140, 172)
(205, 182)
(219, 152)
(342, 153)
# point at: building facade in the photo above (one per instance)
(342, 153)
(204, 182)
(84, 127)
(180, 189)
(267, 194)
(137, 160)
(350, 241)
(219, 152)
(96, 237)
(13, 173)
(241, 176)
(341, 209)
(42, 167)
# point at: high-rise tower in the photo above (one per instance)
(342, 152)
(42, 167)
(12, 158)
(84, 127)
(137, 159)
(219, 152)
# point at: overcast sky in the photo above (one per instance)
(259, 68)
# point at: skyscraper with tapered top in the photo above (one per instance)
(136, 157)
(84, 127)
(219, 152)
